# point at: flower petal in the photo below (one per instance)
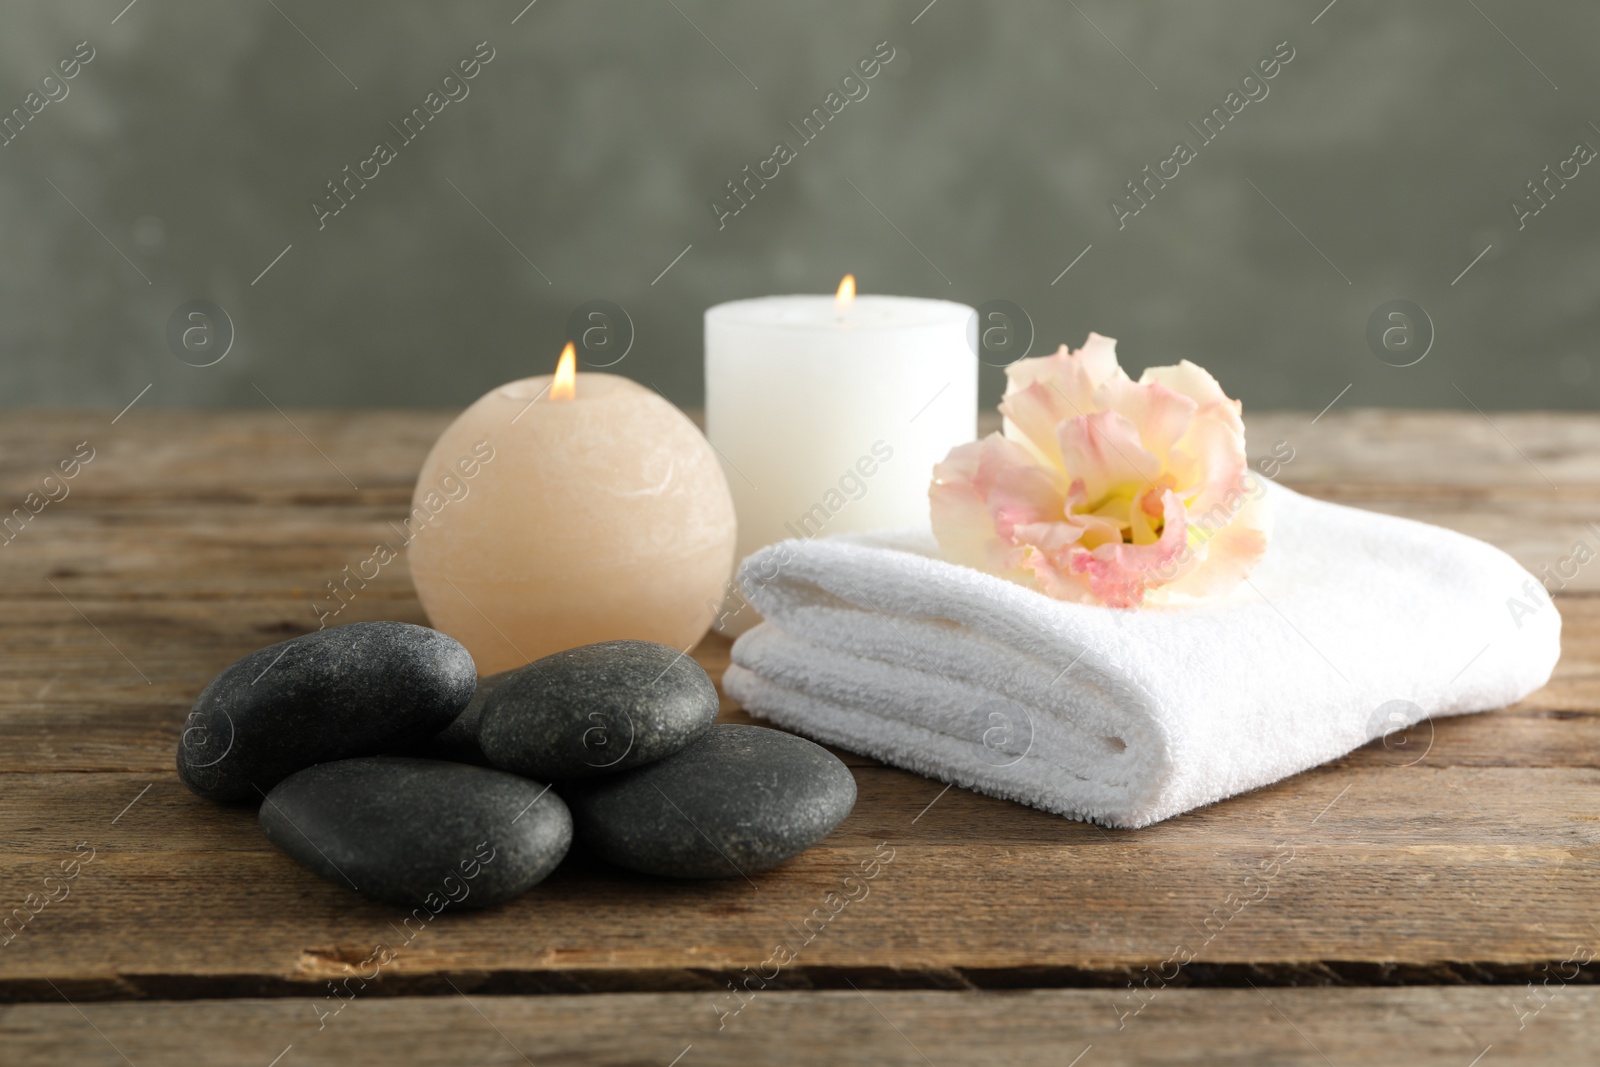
(1032, 415)
(981, 492)
(1079, 379)
(1104, 450)
(1120, 574)
(1226, 558)
(1192, 381)
(1105, 490)
(1162, 415)
(1096, 360)
(1209, 462)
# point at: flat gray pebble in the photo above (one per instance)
(352, 690)
(739, 800)
(419, 832)
(598, 709)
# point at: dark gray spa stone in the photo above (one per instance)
(739, 800)
(598, 709)
(458, 742)
(419, 832)
(352, 690)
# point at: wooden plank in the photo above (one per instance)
(1455, 873)
(194, 538)
(1438, 1027)
(151, 458)
(1537, 450)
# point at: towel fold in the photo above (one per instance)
(1353, 625)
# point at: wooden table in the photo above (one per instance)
(1432, 881)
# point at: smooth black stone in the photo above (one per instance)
(598, 709)
(458, 742)
(739, 800)
(419, 832)
(352, 690)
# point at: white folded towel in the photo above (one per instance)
(1353, 625)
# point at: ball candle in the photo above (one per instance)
(832, 411)
(601, 514)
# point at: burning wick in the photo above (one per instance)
(845, 298)
(564, 386)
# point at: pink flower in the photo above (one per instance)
(1105, 490)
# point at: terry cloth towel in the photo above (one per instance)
(1353, 625)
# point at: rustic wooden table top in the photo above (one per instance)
(1441, 901)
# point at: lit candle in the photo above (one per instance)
(832, 411)
(563, 510)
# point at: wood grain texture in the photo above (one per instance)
(1458, 874)
(1469, 853)
(1437, 1027)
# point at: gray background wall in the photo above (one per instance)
(195, 141)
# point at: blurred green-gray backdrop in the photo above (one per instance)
(186, 157)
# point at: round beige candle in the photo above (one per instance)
(599, 513)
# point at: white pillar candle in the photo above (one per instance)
(831, 413)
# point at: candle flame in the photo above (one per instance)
(564, 386)
(846, 296)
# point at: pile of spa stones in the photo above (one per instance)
(383, 763)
